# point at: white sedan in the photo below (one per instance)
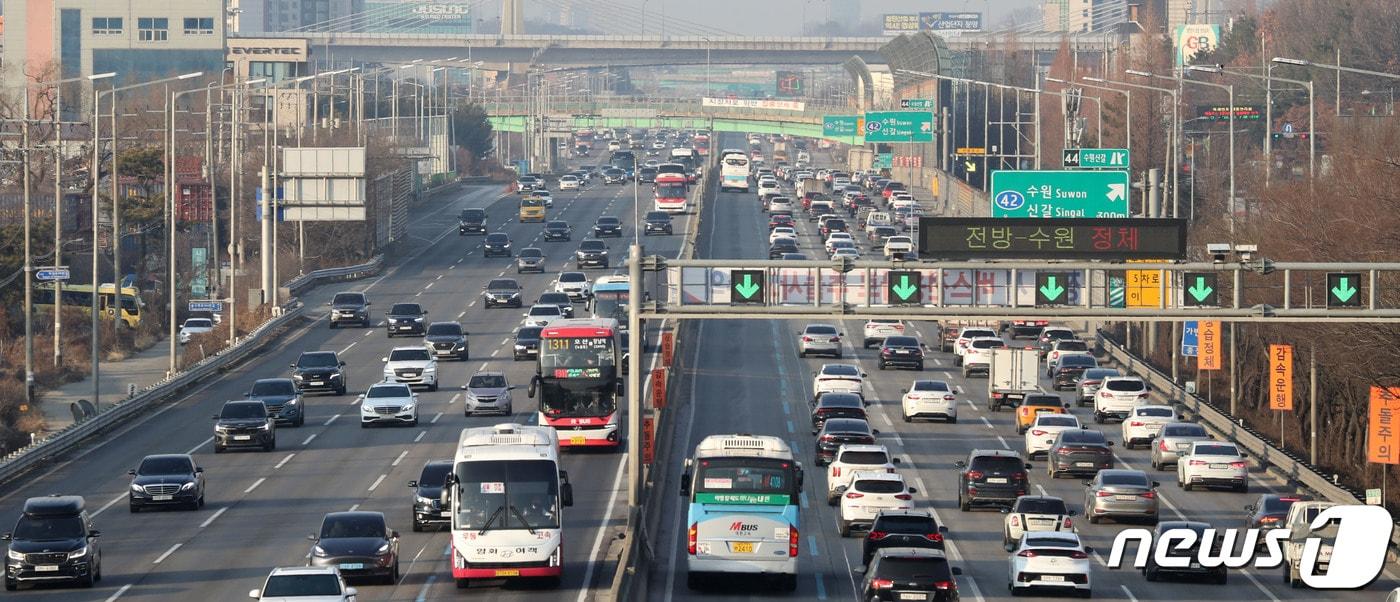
(389, 403)
(1054, 560)
(930, 399)
(837, 236)
(838, 378)
(543, 314)
(1212, 464)
(194, 326)
(1144, 423)
(841, 246)
(851, 252)
(1041, 434)
(568, 183)
(782, 232)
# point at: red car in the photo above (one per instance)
(890, 187)
(780, 219)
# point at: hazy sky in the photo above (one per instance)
(766, 17)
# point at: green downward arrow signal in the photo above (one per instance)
(1200, 291)
(747, 288)
(904, 289)
(1343, 291)
(1051, 290)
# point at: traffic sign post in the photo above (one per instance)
(1108, 239)
(1189, 338)
(746, 286)
(213, 305)
(883, 161)
(59, 272)
(904, 287)
(916, 103)
(1201, 289)
(844, 126)
(1096, 158)
(1048, 193)
(1050, 288)
(1144, 288)
(1343, 289)
(899, 126)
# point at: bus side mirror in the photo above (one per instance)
(566, 494)
(534, 382)
(685, 484)
(621, 388)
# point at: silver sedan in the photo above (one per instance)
(1120, 494)
(823, 339)
(1174, 439)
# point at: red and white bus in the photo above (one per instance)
(671, 193)
(701, 144)
(578, 378)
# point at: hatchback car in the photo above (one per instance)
(1035, 404)
(1193, 569)
(447, 339)
(1145, 421)
(1121, 494)
(530, 259)
(1035, 513)
(1078, 453)
(902, 529)
(1173, 441)
(405, 318)
(501, 291)
(388, 403)
(1117, 397)
(901, 351)
(607, 225)
(930, 399)
(871, 492)
(909, 574)
(558, 230)
(166, 480)
(488, 392)
(527, 343)
(823, 339)
(282, 398)
(1063, 347)
(838, 378)
(836, 405)
(991, 477)
(1056, 561)
(1213, 464)
(841, 431)
(497, 244)
(358, 543)
(427, 495)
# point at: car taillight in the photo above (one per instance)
(996, 395)
(836, 339)
(1102, 493)
(934, 537)
(835, 471)
(1078, 555)
(1135, 423)
(1148, 494)
(903, 496)
(1237, 465)
(944, 585)
(1015, 521)
(1198, 463)
(792, 542)
(1027, 554)
(1162, 445)
(1142, 395)
(806, 339)
(974, 475)
(1037, 432)
(877, 535)
(1268, 520)
(1064, 451)
(690, 538)
(889, 470)
(827, 438)
(882, 584)
(1018, 476)
(851, 495)
(1105, 394)
(948, 398)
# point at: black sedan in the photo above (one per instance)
(166, 480)
(558, 230)
(359, 543)
(1269, 511)
(1082, 452)
(496, 244)
(1070, 368)
(614, 176)
(836, 405)
(840, 431)
(502, 291)
(902, 351)
(527, 342)
(781, 247)
(607, 225)
(447, 339)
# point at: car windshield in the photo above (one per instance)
(1276, 505)
(165, 465)
(470, 214)
(1077, 361)
(556, 225)
(1051, 542)
(1216, 450)
(555, 298)
(444, 329)
(1106, 372)
(864, 457)
(317, 360)
(1072, 346)
(879, 486)
(1125, 385)
(840, 400)
(348, 299)
(531, 333)
(1082, 438)
(1125, 479)
(409, 355)
(968, 334)
(388, 391)
(496, 238)
(608, 221)
(1057, 333)
(545, 310)
(244, 410)
(931, 385)
(405, 309)
(487, 381)
(1041, 506)
(273, 387)
(1042, 400)
(49, 528)
(198, 323)
(367, 525)
(502, 284)
(531, 253)
(988, 344)
(658, 216)
(901, 342)
(1155, 412)
(573, 277)
(592, 245)
(820, 329)
(840, 370)
(913, 568)
(847, 425)
(295, 586)
(1184, 430)
(906, 524)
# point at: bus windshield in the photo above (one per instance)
(610, 304)
(576, 353)
(507, 494)
(577, 398)
(746, 475)
(670, 191)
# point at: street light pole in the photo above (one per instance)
(95, 177)
(1127, 106)
(1268, 78)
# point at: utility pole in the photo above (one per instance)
(28, 266)
(58, 224)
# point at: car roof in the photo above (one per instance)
(863, 447)
(876, 475)
(489, 373)
(999, 453)
(355, 514)
(906, 552)
(54, 505)
(305, 570)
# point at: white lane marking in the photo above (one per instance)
(354, 401)
(352, 344)
(109, 504)
(285, 460)
(986, 422)
(496, 352)
(1255, 581)
(308, 439)
(439, 277)
(201, 444)
(1099, 558)
(459, 316)
(400, 458)
(452, 267)
(598, 540)
(1041, 489)
(971, 405)
(254, 485)
(162, 557)
(1129, 593)
(377, 481)
(118, 593)
(367, 333)
(212, 517)
(505, 341)
(1003, 442)
(418, 294)
(332, 419)
(437, 417)
(428, 286)
(455, 397)
(354, 507)
(976, 591)
(420, 436)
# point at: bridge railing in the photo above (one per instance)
(614, 106)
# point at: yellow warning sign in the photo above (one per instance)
(1144, 288)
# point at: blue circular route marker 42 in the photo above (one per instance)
(1010, 200)
(873, 126)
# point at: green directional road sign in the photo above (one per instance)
(916, 103)
(1201, 290)
(1096, 158)
(899, 126)
(1035, 193)
(1343, 289)
(1050, 288)
(904, 287)
(883, 160)
(841, 125)
(746, 286)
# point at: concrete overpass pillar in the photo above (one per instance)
(512, 17)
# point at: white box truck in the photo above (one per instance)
(1012, 375)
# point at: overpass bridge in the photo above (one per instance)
(513, 115)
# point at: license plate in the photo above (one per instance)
(242, 437)
(997, 480)
(1219, 466)
(1084, 464)
(912, 597)
(1181, 446)
(162, 498)
(405, 328)
(1052, 578)
(741, 547)
(446, 514)
(46, 568)
(576, 440)
(1125, 498)
(507, 573)
(317, 383)
(351, 566)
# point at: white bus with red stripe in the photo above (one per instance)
(578, 379)
(671, 193)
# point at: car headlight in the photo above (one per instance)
(520, 347)
(78, 553)
(16, 555)
(265, 426)
(318, 551)
(138, 488)
(514, 295)
(384, 549)
(220, 427)
(423, 500)
(293, 401)
(408, 406)
(418, 319)
(187, 486)
(297, 376)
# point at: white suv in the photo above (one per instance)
(978, 355)
(310, 583)
(411, 366)
(1212, 464)
(574, 284)
(964, 337)
(1117, 396)
(838, 378)
(851, 458)
(877, 330)
(1145, 422)
(869, 493)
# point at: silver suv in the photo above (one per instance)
(488, 392)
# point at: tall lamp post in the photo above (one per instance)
(1230, 91)
(1338, 68)
(1268, 106)
(1127, 104)
(171, 99)
(1173, 137)
(1098, 106)
(708, 44)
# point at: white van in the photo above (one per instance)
(875, 219)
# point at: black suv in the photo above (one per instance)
(405, 318)
(607, 225)
(471, 221)
(427, 495)
(447, 339)
(646, 174)
(902, 351)
(909, 574)
(657, 221)
(527, 342)
(781, 247)
(558, 230)
(496, 243)
(244, 423)
(902, 529)
(592, 252)
(349, 307)
(166, 480)
(319, 371)
(991, 476)
(282, 399)
(53, 541)
(502, 291)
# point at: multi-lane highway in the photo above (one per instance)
(261, 506)
(745, 376)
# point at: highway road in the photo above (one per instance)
(745, 376)
(261, 506)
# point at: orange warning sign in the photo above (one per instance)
(1383, 440)
(1281, 378)
(1208, 345)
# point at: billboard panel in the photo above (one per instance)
(791, 83)
(1195, 39)
(946, 22)
(419, 16)
(901, 24)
